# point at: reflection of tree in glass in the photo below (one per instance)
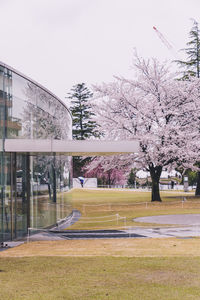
(44, 116)
(54, 171)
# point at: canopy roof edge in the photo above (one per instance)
(74, 148)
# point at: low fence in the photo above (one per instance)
(183, 203)
(163, 187)
(113, 219)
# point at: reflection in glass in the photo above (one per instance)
(39, 114)
(50, 183)
(34, 190)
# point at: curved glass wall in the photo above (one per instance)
(34, 189)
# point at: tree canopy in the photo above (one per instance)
(192, 63)
(83, 125)
(191, 68)
(162, 113)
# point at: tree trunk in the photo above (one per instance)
(54, 184)
(109, 179)
(155, 177)
(49, 186)
(197, 192)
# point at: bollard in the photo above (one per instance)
(125, 222)
(117, 215)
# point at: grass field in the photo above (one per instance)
(100, 207)
(114, 269)
(42, 278)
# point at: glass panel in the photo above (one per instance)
(37, 113)
(29, 111)
(50, 199)
(34, 190)
(5, 197)
(2, 103)
(21, 203)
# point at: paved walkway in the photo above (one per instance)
(54, 233)
(179, 232)
(189, 226)
(185, 219)
(67, 222)
(134, 232)
(10, 244)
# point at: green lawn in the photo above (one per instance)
(99, 278)
(94, 204)
(118, 269)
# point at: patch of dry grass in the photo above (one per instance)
(99, 278)
(114, 269)
(137, 247)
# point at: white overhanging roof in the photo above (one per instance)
(74, 148)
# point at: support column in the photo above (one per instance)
(28, 190)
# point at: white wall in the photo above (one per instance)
(88, 183)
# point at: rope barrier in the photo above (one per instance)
(141, 203)
(101, 217)
(182, 202)
(60, 204)
(118, 217)
(103, 204)
(97, 221)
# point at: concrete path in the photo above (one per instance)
(70, 220)
(134, 232)
(190, 228)
(181, 232)
(185, 219)
(10, 244)
(53, 234)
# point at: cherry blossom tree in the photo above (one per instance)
(191, 67)
(159, 111)
(107, 169)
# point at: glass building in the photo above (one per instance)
(34, 187)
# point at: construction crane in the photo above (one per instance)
(163, 39)
(166, 43)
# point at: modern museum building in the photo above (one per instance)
(34, 186)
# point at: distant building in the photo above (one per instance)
(167, 178)
(87, 183)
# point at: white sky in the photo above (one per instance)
(60, 43)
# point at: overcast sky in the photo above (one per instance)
(60, 43)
